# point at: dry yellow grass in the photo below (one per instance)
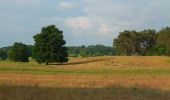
(84, 81)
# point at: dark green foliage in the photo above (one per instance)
(135, 43)
(74, 51)
(164, 39)
(19, 53)
(3, 54)
(126, 42)
(156, 50)
(8, 49)
(147, 42)
(30, 47)
(49, 46)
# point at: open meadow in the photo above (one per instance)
(91, 78)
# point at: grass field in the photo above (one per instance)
(92, 78)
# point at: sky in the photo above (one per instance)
(84, 22)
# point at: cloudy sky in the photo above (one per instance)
(83, 21)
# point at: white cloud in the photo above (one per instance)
(95, 19)
(79, 23)
(66, 5)
(113, 16)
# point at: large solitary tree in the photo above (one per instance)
(19, 53)
(49, 46)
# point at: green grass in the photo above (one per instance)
(33, 68)
(154, 72)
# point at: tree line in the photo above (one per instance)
(91, 50)
(50, 46)
(73, 51)
(10, 51)
(146, 43)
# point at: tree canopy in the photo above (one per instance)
(19, 53)
(146, 42)
(49, 46)
(164, 39)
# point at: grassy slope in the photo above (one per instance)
(127, 67)
(99, 78)
(114, 71)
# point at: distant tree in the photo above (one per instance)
(91, 50)
(3, 54)
(164, 39)
(83, 51)
(135, 43)
(126, 43)
(19, 53)
(157, 50)
(99, 50)
(7, 50)
(147, 41)
(49, 46)
(73, 51)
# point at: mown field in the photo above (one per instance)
(92, 78)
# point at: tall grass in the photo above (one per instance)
(109, 93)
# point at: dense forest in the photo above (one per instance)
(146, 43)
